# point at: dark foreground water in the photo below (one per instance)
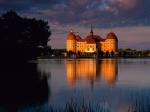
(106, 85)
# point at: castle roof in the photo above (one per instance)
(71, 36)
(78, 38)
(96, 38)
(111, 35)
(102, 40)
(90, 41)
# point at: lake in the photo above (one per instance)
(105, 85)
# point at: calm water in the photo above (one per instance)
(106, 85)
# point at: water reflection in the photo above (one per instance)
(92, 70)
(21, 86)
(69, 81)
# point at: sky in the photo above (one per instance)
(129, 19)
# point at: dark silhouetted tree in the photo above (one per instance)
(101, 53)
(112, 53)
(107, 54)
(21, 37)
(21, 40)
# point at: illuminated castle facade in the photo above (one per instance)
(92, 43)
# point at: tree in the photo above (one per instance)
(70, 53)
(107, 54)
(21, 39)
(79, 53)
(101, 53)
(20, 36)
(112, 53)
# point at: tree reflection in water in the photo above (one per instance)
(20, 85)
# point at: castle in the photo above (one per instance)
(92, 43)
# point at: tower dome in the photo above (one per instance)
(111, 35)
(71, 36)
(71, 42)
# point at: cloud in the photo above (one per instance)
(102, 13)
(127, 4)
(123, 14)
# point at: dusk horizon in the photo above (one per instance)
(128, 19)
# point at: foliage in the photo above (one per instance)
(133, 53)
(20, 37)
(21, 40)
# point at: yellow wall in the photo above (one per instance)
(80, 46)
(90, 48)
(71, 44)
(109, 45)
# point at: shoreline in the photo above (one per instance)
(60, 58)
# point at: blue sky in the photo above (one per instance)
(129, 19)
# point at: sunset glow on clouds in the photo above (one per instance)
(127, 4)
(130, 19)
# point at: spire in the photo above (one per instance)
(91, 32)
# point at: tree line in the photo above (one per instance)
(121, 53)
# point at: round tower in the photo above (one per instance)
(71, 42)
(112, 42)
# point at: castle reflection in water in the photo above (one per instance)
(92, 70)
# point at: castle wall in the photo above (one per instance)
(90, 48)
(109, 45)
(71, 45)
(80, 46)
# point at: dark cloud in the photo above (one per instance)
(102, 13)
